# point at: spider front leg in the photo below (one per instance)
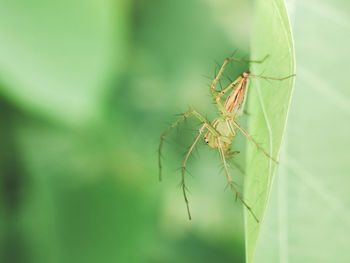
(216, 95)
(227, 60)
(272, 78)
(229, 179)
(186, 115)
(246, 134)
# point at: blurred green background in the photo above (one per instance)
(86, 89)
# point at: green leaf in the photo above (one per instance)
(56, 57)
(268, 108)
(308, 218)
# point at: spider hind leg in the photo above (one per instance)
(230, 181)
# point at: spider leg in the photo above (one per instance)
(246, 134)
(232, 129)
(228, 87)
(183, 167)
(273, 78)
(184, 116)
(229, 179)
(227, 60)
(230, 155)
(216, 95)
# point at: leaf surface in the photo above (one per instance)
(268, 106)
(308, 216)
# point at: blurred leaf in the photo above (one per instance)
(56, 56)
(79, 203)
(268, 105)
(308, 219)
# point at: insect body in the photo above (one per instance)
(221, 132)
(234, 106)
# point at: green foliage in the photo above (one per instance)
(268, 105)
(87, 87)
(56, 57)
(308, 216)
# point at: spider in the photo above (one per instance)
(221, 131)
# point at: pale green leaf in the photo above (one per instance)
(268, 107)
(308, 218)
